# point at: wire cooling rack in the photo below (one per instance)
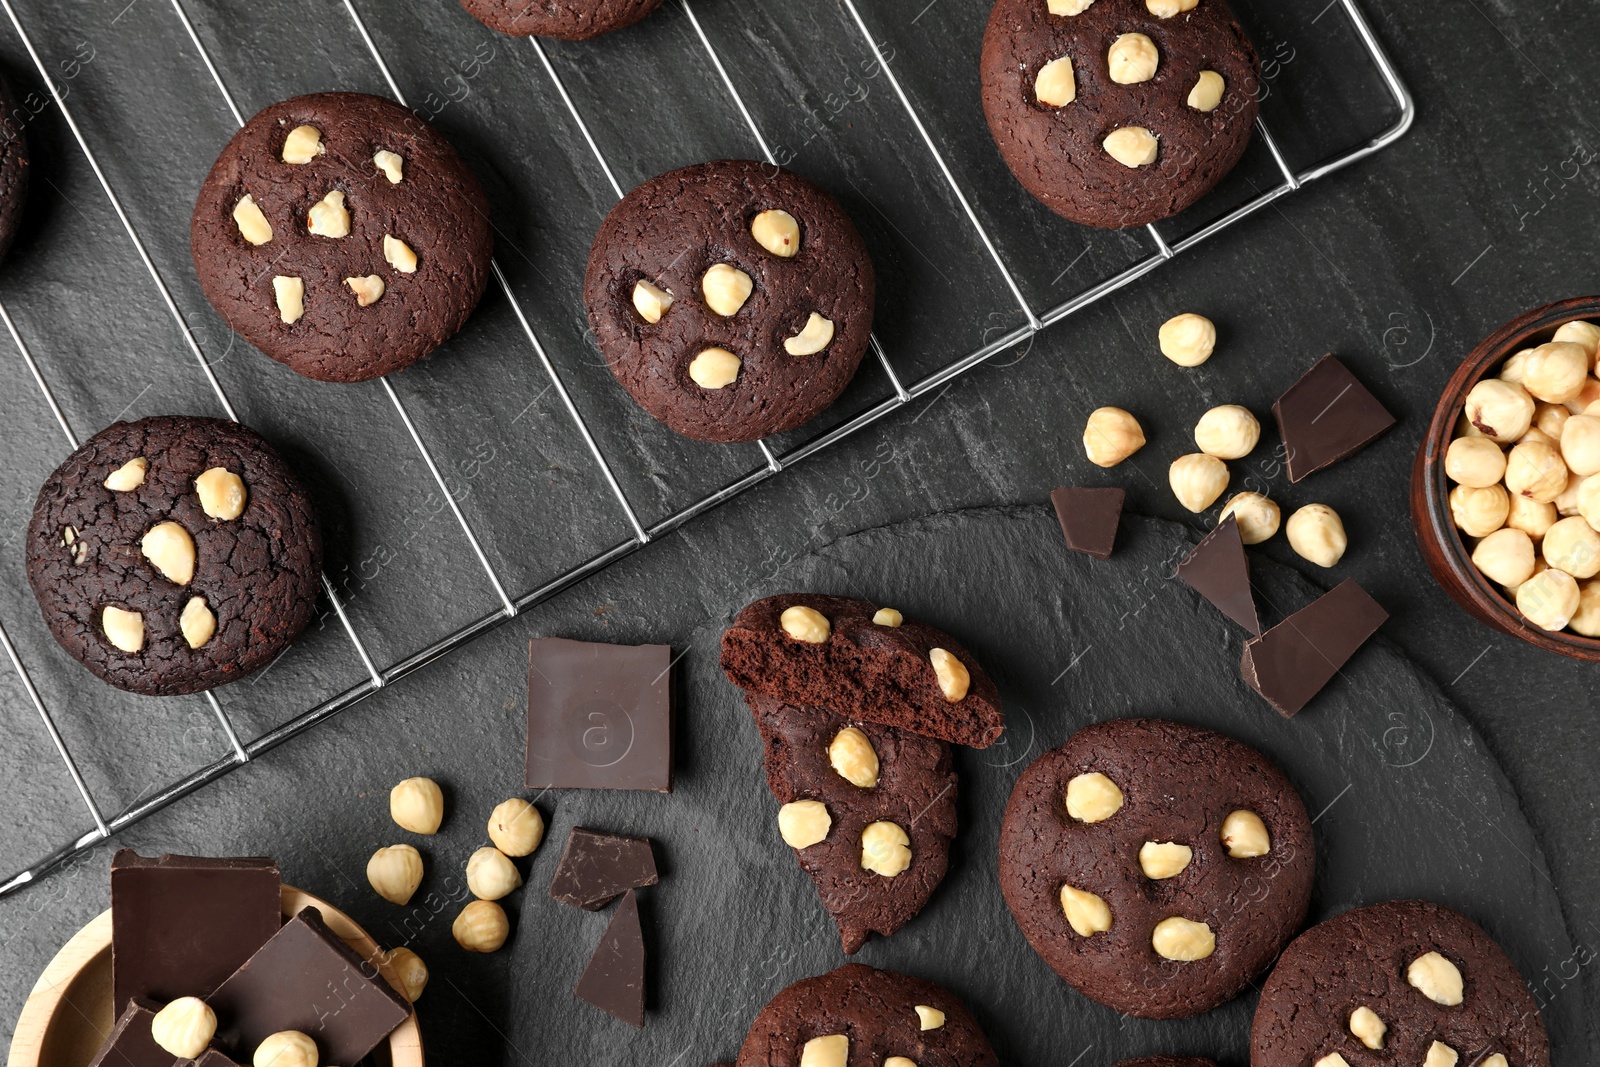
(893, 100)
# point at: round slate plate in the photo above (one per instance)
(1406, 800)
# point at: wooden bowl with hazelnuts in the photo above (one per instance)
(1505, 493)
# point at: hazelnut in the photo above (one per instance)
(929, 1018)
(1207, 91)
(411, 971)
(1244, 835)
(899, 1061)
(802, 823)
(650, 301)
(805, 624)
(368, 290)
(1110, 436)
(1055, 85)
(1086, 913)
(714, 368)
(1440, 1055)
(286, 1048)
(1550, 418)
(289, 294)
(1332, 1059)
(252, 221)
(1316, 533)
(1197, 480)
(184, 1027)
(1532, 517)
(516, 827)
(1539, 567)
(1586, 500)
(221, 493)
(1536, 434)
(1588, 397)
(1580, 444)
(1567, 502)
(303, 144)
(1365, 1024)
(329, 217)
(1578, 332)
(1133, 58)
(491, 874)
(1257, 516)
(1165, 9)
(1494, 1059)
(1556, 371)
(1188, 339)
(197, 622)
(1549, 599)
(417, 804)
(952, 674)
(129, 476)
(1572, 545)
(1586, 620)
(399, 255)
(726, 288)
(777, 231)
(816, 335)
(831, 1050)
(482, 926)
(1500, 410)
(887, 617)
(1474, 461)
(1068, 7)
(395, 872)
(1092, 797)
(1227, 432)
(123, 628)
(852, 755)
(1183, 940)
(1505, 557)
(1161, 860)
(391, 164)
(885, 849)
(1515, 368)
(1479, 512)
(1132, 146)
(1535, 470)
(170, 550)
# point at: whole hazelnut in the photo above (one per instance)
(1258, 516)
(1197, 480)
(1572, 545)
(1244, 835)
(829, 1050)
(1092, 797)
(395, 872)
(1227, 432)
(1549, 599)
(1366, 1025)
(286, 1048)
(1110, 436)
(1474, 461)
(1316, 533)
(802, 823)
(1515, 368)
(417, 804)
(1580, 444)
(1567, 501)
(1550, 418)
(1578, 332)
(1539, 567)
(805, 624)
(1588, 397)
(491, 874)
(411, 971)
(1532, 517)
(184, 1027)
(852, 755)
(885, 849)
(1586, 620)
(1086, 912)
(1183, 940)
(1188, 339)
(482, 926)
(1437, 978)
(1586, 499)
(1505, 557)
(1535, 470)
(1556, 371)
(1479, 512)
(516, 827)
(1501, 410)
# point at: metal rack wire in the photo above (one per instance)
(508, 605)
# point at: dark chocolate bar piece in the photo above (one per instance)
(129, 1044)
(1218, 570)
(1290, 663)
(596, 868)
(180, 925)
(599, 716)
(212, 1058)
(306, 978)
(614, 979)
(1089, 518)
(1326, 416)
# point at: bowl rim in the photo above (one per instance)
(1490, 352)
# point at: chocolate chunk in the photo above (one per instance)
(1290, 663)
(1217, 570)
(180, 925)
(1089, 518)
(597, 868)
(213, 1058)
(614, 979)
(599, 716)
(1326, 416)
(306, 978)
(130, 1043)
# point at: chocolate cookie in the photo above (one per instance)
(865, 663)
(1123, 113)
(865, 1017)
(570, 20)
(342, 236)
(174, 554)
(1156, 867)
(13, 168)
(856, 793)
(732, 300)
(1386, 984)
(1169, 1061)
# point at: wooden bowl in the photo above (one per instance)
(1441, 543)
(68, 1014)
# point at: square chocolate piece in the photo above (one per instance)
(130, 1044)
(599, 716)
(1326, 416)
(1089, 518)
(1290, 663)
(180, 925)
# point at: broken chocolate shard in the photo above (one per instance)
(1292, 662)
(180, 925)
(597, 868)
(1326, 416)
(614, 979)
(1218, 570)
(212, 1058)
(130, 1043)
(1089, 518)
(599, 716)
(306, 978)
